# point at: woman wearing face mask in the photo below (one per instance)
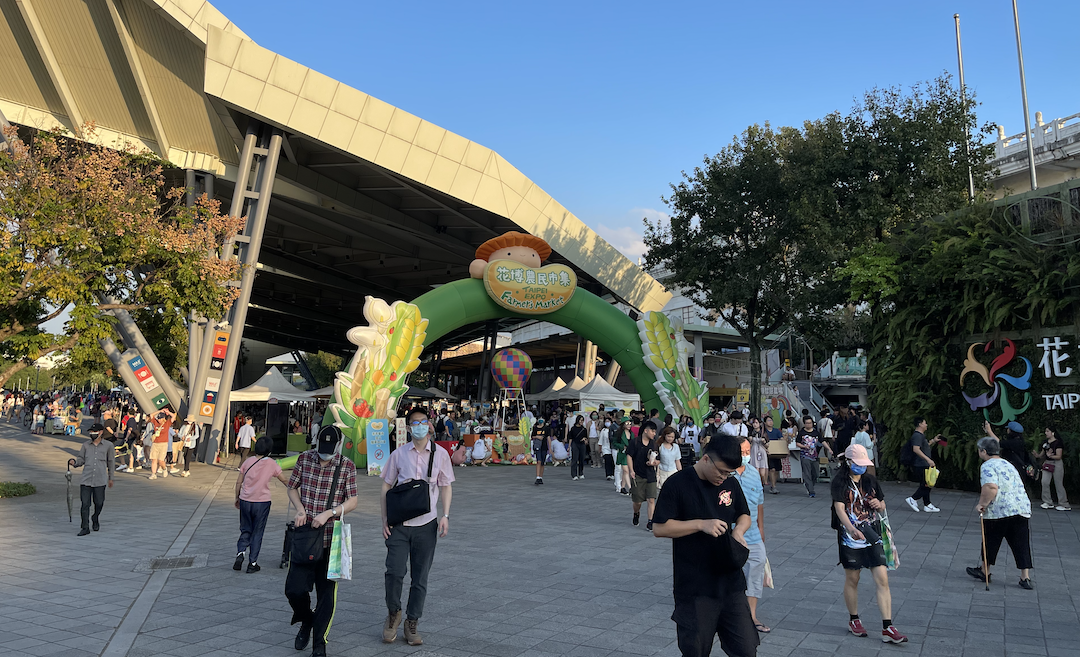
(754, 568)
(857, 501)
(669, 455)
(578, 442)
(605, 451)
(619, 441)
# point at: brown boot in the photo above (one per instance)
(412, 637)
(389, 630)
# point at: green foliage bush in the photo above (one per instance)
(16, 489)
(966, 274)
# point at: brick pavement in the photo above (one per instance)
(526, 571)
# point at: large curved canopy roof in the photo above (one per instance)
(368, 199)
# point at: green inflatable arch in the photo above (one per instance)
(463, 302)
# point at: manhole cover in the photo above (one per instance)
(171, 563)
(153, 564)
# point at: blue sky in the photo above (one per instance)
(603, 104)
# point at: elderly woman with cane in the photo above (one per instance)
(1004, 510)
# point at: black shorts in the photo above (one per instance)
(858, 558)
(776, 464)
(699, 620)
(541, 456)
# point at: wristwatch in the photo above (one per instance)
(446, 515)
(336, 514)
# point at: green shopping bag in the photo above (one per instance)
(892, 554)
(340, 567)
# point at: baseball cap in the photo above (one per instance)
(97, 428)
(857, 454)
(329, 437)
(1015, 426)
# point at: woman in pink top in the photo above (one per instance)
(253, 500)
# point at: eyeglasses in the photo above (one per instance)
(724, 474)
(417, 423)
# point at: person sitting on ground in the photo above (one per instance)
(481, 452)
(559, 453)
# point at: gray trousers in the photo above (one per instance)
(413, 547)
(809, 473)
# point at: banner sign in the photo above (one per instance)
(400, 432)
(377, 436)
(212, 385)
(146, 379)
(529, 290)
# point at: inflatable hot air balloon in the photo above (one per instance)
(511, 368)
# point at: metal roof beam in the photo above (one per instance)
(332, 195)
(135, 65)
(33, 25)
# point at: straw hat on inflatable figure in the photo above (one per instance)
(511, 369)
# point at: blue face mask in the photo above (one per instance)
(746, 460)
(857, 469)
(419, 432)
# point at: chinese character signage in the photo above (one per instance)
(529, 290)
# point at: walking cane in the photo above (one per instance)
(67, 476)
(986, 566)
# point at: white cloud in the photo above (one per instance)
(628, 237)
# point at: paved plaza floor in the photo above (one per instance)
(526, 571)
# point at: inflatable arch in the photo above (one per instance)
(506, 280)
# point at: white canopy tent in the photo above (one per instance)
(322, 393)
(556, 385)
(271, 385)
(598, 391)
(567, 391)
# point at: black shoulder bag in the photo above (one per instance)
(307, 541)
(410, 499)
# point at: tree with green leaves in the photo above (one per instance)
(82, 220)
(763, 233)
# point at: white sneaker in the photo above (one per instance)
(174, 471)
(913, 504)
(1063, 508)
(930, 508)
(1046, 506)
(164, 473)
(185, 474)
(153, 476)
(138, 467)
(575, 478)
(582, 477)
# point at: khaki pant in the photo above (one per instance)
(1058, 477)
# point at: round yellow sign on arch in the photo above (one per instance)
(529, 290)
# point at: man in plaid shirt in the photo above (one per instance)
(309, 491)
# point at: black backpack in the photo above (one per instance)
(907, 454)
(440, 427)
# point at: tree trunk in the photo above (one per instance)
(11, 371)
(22, 364)
(755, 375)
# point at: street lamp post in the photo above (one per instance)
(37, 379)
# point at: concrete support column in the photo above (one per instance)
(130, 380)
(268, 152)
(134, 338)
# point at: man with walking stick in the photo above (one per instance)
(98, 457)
(1004, 511)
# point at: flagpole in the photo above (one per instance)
(1023, 93)
(963, 99)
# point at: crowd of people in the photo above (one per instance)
(703, 487)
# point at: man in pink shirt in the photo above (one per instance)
(413, 541)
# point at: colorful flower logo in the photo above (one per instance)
(996, 379)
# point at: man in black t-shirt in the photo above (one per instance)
(641, 457)
(698, 508)
(541, 444)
